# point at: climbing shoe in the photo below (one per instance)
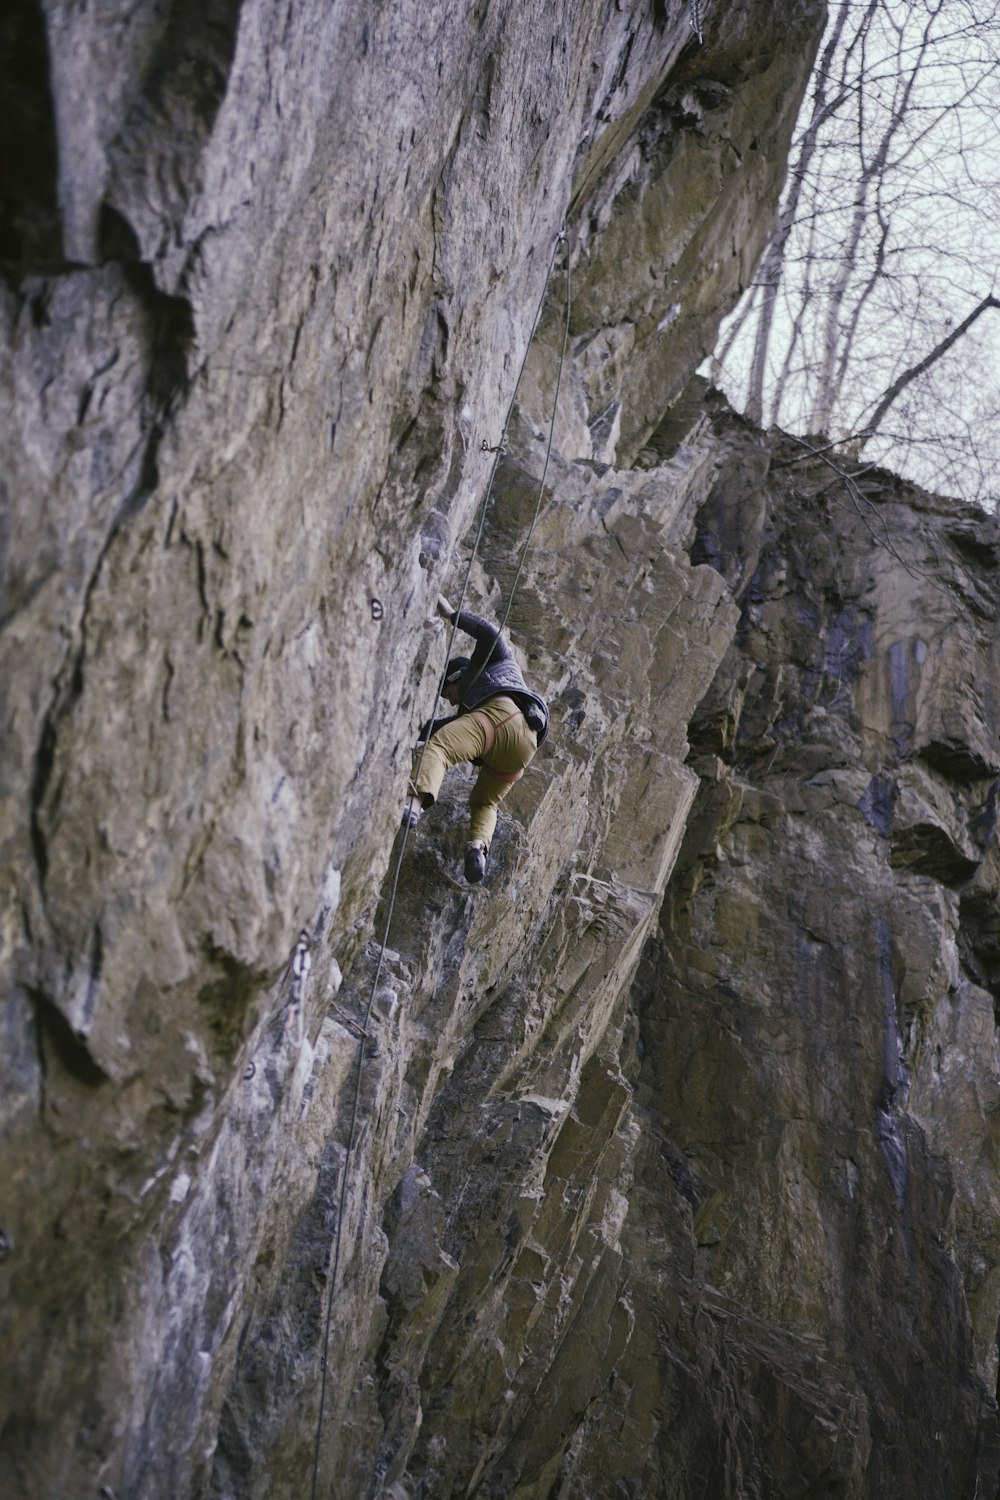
(475, 862)
(411, 816)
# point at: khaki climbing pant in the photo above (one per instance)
(495, 734)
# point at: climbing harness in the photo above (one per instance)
(498, 450)
(301, 964)
(695, 13)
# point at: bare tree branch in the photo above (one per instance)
(908, 376)
(885, 237)
(771, 269)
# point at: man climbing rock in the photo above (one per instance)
(499, 725)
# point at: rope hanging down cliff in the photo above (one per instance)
(497, 450)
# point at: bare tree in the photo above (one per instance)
(829, 95)
(869, 299)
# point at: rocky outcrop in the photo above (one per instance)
(818, 1064)
(598, 1197)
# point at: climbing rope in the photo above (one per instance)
(498, 451)
(501, 448)
(695, 14)
(548, 452)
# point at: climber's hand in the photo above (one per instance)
(444, 609)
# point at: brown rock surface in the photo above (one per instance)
(818, 1070)
(727, 1228)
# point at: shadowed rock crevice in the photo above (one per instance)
(169, 331)
(30, 228)
(183, 56)
(60, 1047)
(979, 940)
(226, 999)
(190, 68)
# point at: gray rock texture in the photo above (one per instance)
(818, 1064)
(665, 1165)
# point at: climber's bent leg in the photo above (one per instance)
(489, 791)
(460, 739)
(482, 819)
(514, 746)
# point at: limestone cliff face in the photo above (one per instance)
(817, 1067)
(685, 1225)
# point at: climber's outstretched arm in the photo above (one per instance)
(490, 645)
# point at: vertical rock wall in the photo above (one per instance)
(268, 277)
(818, 1066)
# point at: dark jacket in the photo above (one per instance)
(492, 672)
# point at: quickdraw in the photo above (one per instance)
(301, 964)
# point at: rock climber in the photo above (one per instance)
(499, 725)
